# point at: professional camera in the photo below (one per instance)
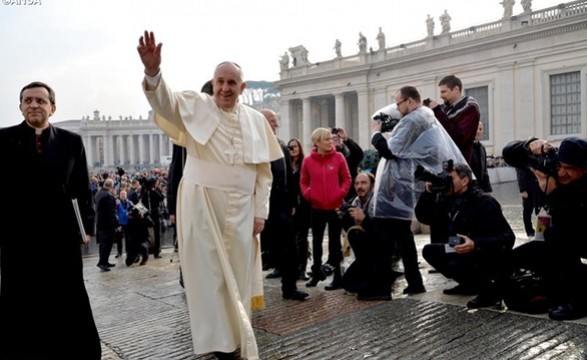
(547, 163)
(387, 122)
(335, 130)
(441, 181)
(119, 171)
(426, 102)
(344, 209)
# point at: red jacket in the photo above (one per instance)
(325, 179)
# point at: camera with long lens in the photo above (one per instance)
(441, 181)
(546, 163)
(386, 120)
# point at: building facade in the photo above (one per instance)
(528, 72)
(128, 143)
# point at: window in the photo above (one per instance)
(565, 103)
(481, 94)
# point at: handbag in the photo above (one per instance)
(526, 292)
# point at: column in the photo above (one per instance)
(339, 115)
(107, 150)
(89, 151)
(122, 149)
(505, 102)
(152, 149)
(131, 150)
(526, 98)
(363, 112)
(285, 129)
(162, 139)
(141, 140)
(307, 124)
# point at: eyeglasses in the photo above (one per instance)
(400, 102)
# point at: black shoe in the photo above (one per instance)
(157, 256)
(224, 356)
(103, 267)
(374, 297)
(273, 275)
(568, 311)
(484, 300)
(327, 269)
(313, 282)
(411, 290)
(295, 295)
(303, 276)
(110, 265)
(315, 278)
(335, 284)
(461, 290)
(144, 261)
(117, 256)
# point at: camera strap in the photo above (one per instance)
(452, 216)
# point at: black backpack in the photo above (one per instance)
(526, 292)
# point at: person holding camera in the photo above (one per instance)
(417, 139)
(459, 115)
(364, 275)
(353, 154)
(470, 237)
(562, 176)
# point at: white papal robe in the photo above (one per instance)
(226, 183)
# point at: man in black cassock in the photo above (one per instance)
(45, 311)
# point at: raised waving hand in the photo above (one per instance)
(150, 53)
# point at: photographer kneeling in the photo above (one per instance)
(562, 176)
(470, 237)
(364, 275)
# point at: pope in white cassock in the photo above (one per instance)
(223, 200)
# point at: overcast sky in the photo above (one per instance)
(86, 50)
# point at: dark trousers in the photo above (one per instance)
(484, 270)
(157, 232)
(287, 258)
(301, 227)
(389, 235)
(280, 237)
(356, 277)
(119, 236)
(105, 239)
(319, 219)
(528, 209)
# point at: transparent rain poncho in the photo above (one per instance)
(418, 139)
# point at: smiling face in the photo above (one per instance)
(36, 107)
(228, 85)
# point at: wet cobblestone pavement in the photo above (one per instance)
(141, 314)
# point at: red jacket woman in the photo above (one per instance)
(325, 180)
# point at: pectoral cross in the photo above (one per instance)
(230, 153)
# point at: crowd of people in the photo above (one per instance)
(243, 200)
